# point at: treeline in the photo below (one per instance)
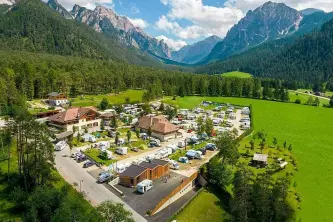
(309, 59)
(33, 76)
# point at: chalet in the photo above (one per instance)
(56, 99)
(160, 127)
(76, 118)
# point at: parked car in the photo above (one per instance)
(135, 149)
(211, 146)
(203, 150)
(174, 165)
(88, 164)
(154, 143)
(183, 159)
(60, 146)
(104, 177)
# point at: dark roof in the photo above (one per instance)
(159, 162)
(64, 135)
(148, 165)
(133, 171)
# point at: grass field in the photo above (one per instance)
(293, 96)
(205, 207)
(237, 74)
(309, 130)
(95, 100)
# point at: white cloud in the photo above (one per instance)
(207, 20)
(139, 23)
(68, 4)
(174, 45)
(245, 5)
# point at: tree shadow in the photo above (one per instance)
(224, 199)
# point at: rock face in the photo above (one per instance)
(104, 19)
(268, 22)
(56, 6)
(192, 54)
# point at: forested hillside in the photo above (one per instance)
(308, 59)
(32, 26)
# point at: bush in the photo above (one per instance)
(298, 101)
(142, 147)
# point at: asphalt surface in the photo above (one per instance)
(96, 193)
(148, 201)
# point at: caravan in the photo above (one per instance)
(193, 154)
(173, 165)
(144, 186)
(104, 145)
(122, 150)
(60, 146)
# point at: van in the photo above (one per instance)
(173, 165)
(144, 186)
(181, 144)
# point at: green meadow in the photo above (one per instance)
(95, 100)
(309, 129)
(237, 74)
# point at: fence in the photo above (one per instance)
(174, 192)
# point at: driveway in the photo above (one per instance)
(96, 193)
(321, 97)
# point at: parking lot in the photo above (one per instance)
(141, 203)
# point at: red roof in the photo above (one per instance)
(70, 115)
(157, 124)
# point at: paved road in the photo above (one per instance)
(96, 193)
(321, 97)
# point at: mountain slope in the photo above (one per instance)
(268, 22)
(308, 59)
(104, 20)
(59, 8)
(192, 54)
(310, 11)
(32, 26)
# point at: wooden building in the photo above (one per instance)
(133, 175)
(152, 170)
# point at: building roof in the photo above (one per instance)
(64, 135)
(148, 165)
(157, 124)
(133, 171)
(54, 94)
(159, 162)
(260, 157)
(70, 115)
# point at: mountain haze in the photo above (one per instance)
(192, 54)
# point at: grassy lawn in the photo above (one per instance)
(309, 131)
(205, 207)
(95, 100)
(94, 154)
(293, 96)
(237, 74)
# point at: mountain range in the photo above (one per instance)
(192, 54)
(268, 22)
(105, 20)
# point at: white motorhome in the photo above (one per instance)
(144, 186)
(230, 123)
(122, 150)
(60, 146)
(173, 147)
(181, 144)
(104, 145)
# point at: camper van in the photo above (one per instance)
(144, 186)
(60, 146)
(173, 147)
(104, 145)
(121, 167)
(181, 144)
(121, 150)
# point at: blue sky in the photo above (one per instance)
(182, 22)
